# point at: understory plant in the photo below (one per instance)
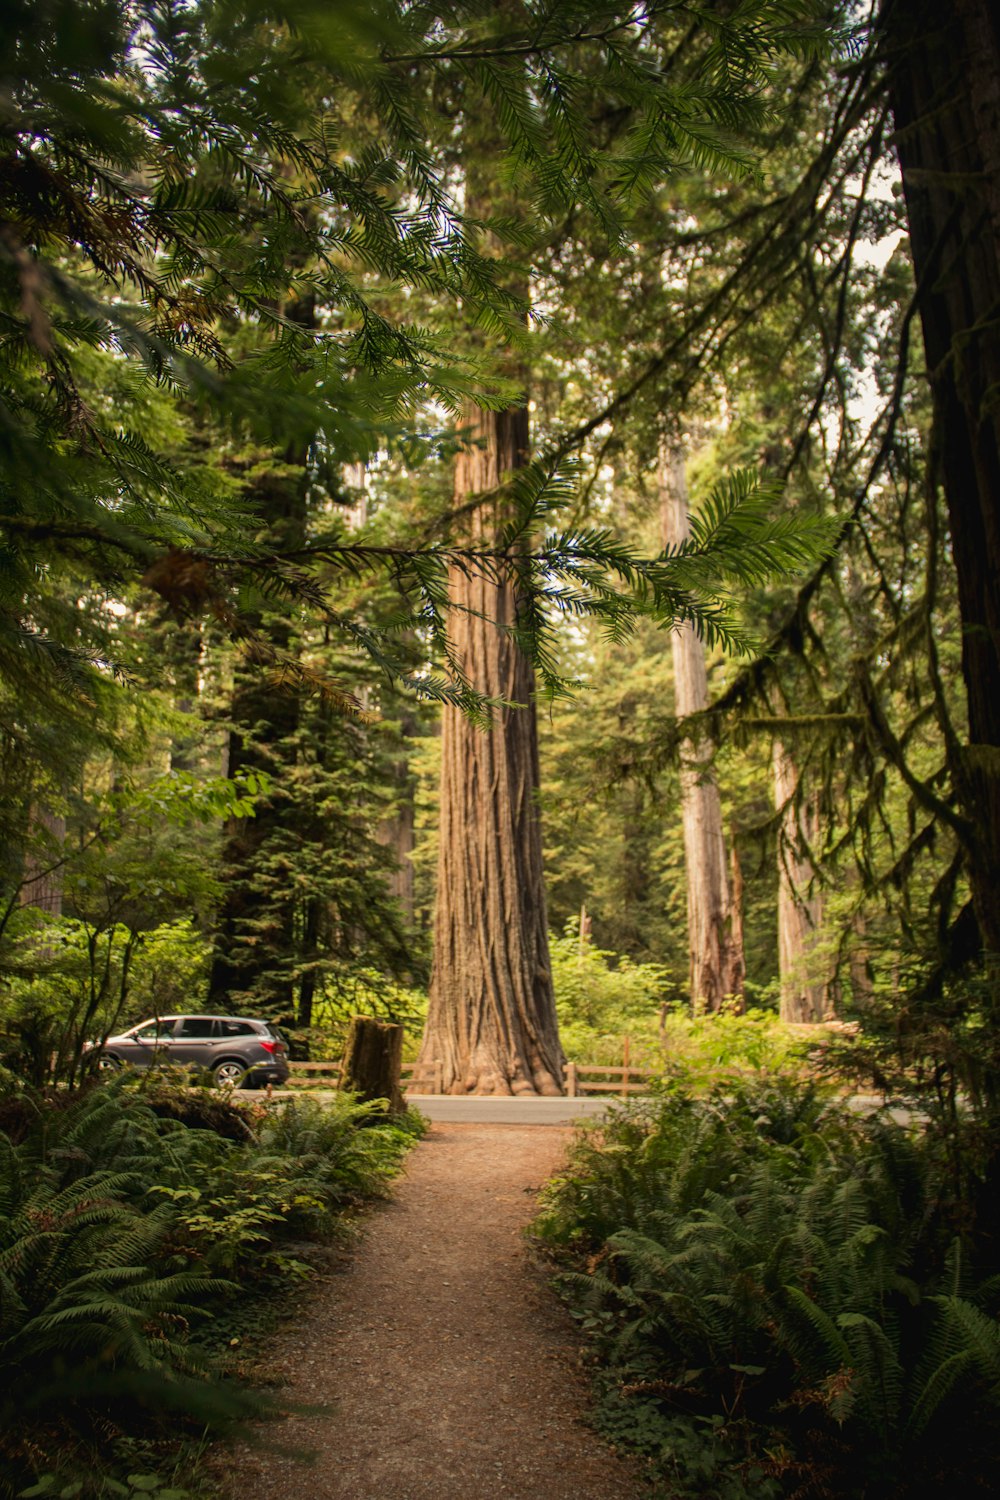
(604, 997)
(779, 1299)
(134, 1245)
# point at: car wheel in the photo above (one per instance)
(107, 1064)
(230, 1072)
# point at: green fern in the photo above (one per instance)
(789, 1254)
(114, 1224)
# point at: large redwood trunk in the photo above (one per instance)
(944, 81)
(491, 1019)
(714, 929)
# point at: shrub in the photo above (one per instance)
(93, 1318)
(120, 1227)
(771, 1276)
(600, 998)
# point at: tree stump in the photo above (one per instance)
(373, 1057)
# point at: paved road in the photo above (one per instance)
(487, 1109)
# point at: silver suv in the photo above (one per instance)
(234, 1049)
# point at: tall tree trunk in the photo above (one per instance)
(944, 84)
(182, 646)
(859, 968)
(804, 997)
(42, 883)
(311, 916)
(491, 1020)
(397, 833)
(714, 928)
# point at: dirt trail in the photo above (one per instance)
(449, 1370)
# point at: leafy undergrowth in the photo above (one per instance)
(142, 1233)
(777, 1300)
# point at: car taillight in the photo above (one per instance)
(267, 1046)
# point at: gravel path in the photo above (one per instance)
(444, 1367)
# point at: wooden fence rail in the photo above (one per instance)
(595, 1078)
(581, 1078)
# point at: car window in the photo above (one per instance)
(152, 1030)
(195, 1026)
(237, 1028)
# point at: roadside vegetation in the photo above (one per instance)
(782, 1296)
(148, 1235)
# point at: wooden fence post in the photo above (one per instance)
(571, 1080)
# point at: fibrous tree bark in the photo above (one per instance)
(944, 86)
(42, 882)
(491, 1021)
(398, 834)
(714, 929)
(398, 831)
(804, 993)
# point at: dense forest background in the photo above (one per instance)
(579, 369)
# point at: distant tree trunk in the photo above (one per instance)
(254, 926)
(714, 927)
(944, 85)
(397, 833)
(491, 1021)
(42, 882)
(804, 997)
(859, 966)
(310, 950)
(182, 646)
(736, 888)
